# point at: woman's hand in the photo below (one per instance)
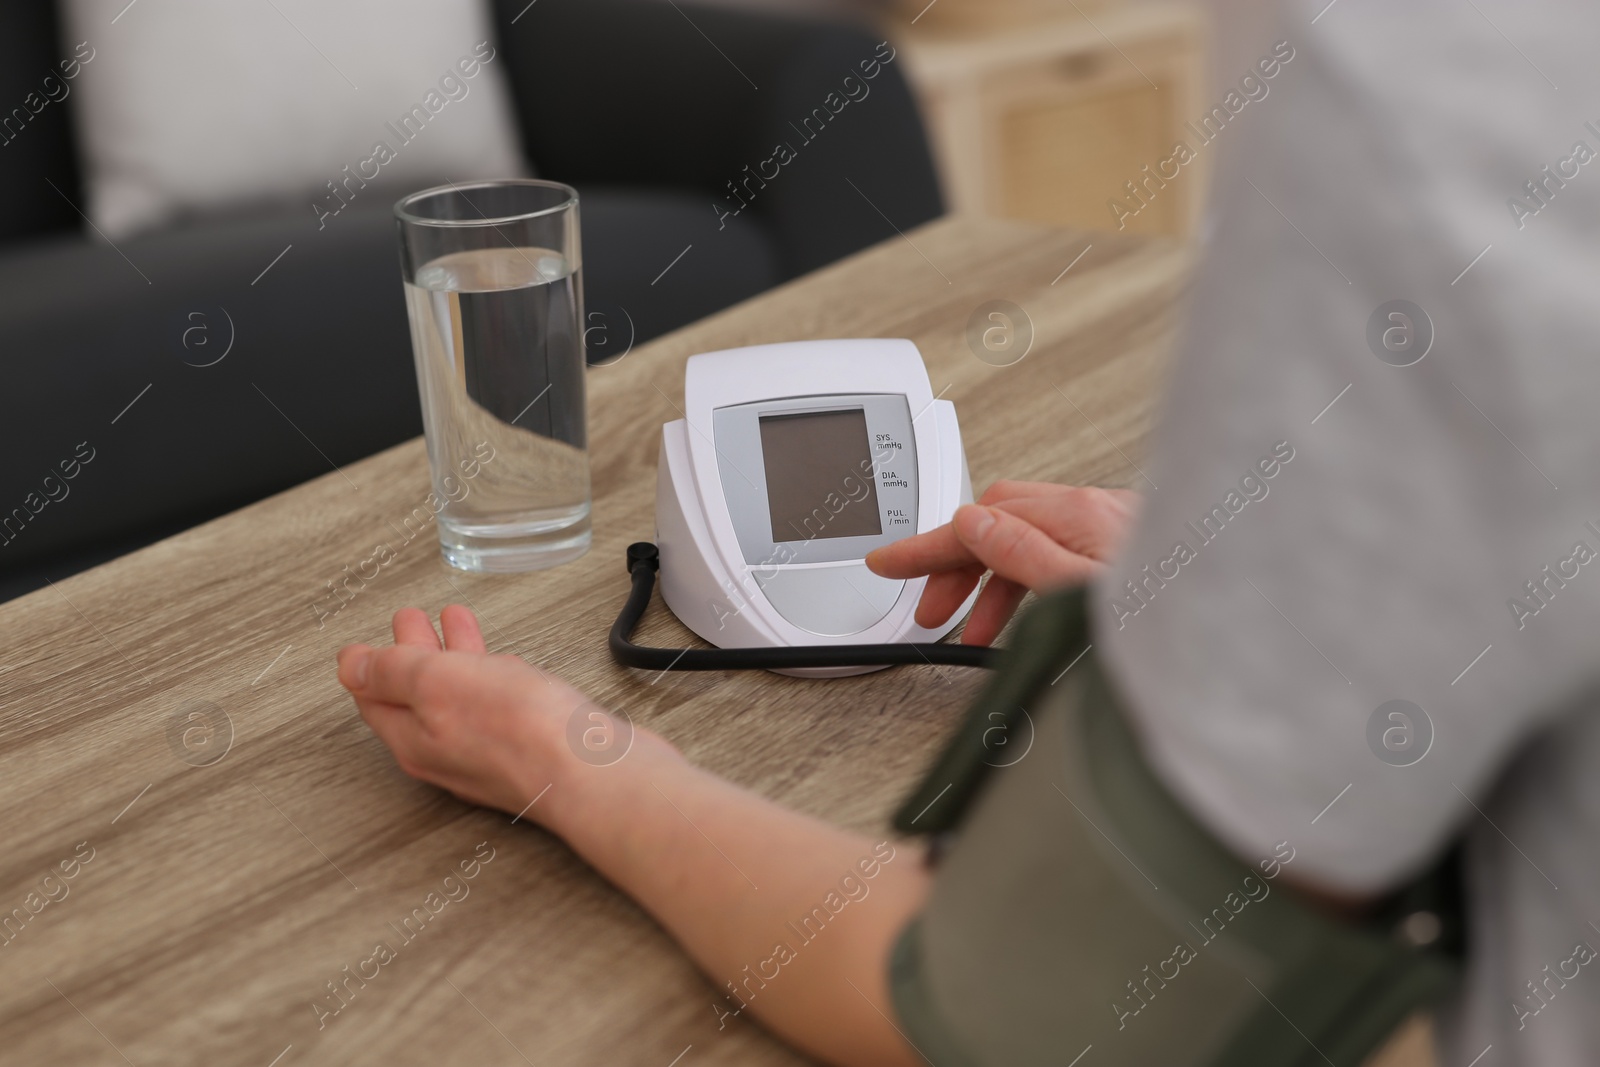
(689, 847)
(490, 729)
(1033, 535)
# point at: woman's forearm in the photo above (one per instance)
(791, 918)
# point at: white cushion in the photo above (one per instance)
(194, 106)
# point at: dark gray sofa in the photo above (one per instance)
(628, 100)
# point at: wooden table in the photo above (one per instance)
(220, 899)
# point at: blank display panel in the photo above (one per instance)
(820, 481)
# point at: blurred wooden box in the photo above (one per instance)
(1047, 118)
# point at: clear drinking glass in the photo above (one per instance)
(494, 290)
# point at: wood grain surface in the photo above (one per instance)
(220, 898)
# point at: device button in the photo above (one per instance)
(831, 601)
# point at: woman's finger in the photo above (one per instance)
(411, 627)
(926, 553)
(945, 593)
(1085, 520)
(1017, 550)
(461, 631)
(1088, 521)
(993, 609)
(384, 674)
(1012, 489)
(351, 670)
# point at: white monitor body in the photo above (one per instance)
(793, 461)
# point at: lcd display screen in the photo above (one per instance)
(820, 481)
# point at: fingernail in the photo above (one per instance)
(353, 667)
(973, 522)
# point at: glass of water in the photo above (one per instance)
(494, 290)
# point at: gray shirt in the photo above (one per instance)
(1335, 532)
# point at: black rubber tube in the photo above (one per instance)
(644, 560)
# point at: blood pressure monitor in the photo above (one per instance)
(791, 463)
